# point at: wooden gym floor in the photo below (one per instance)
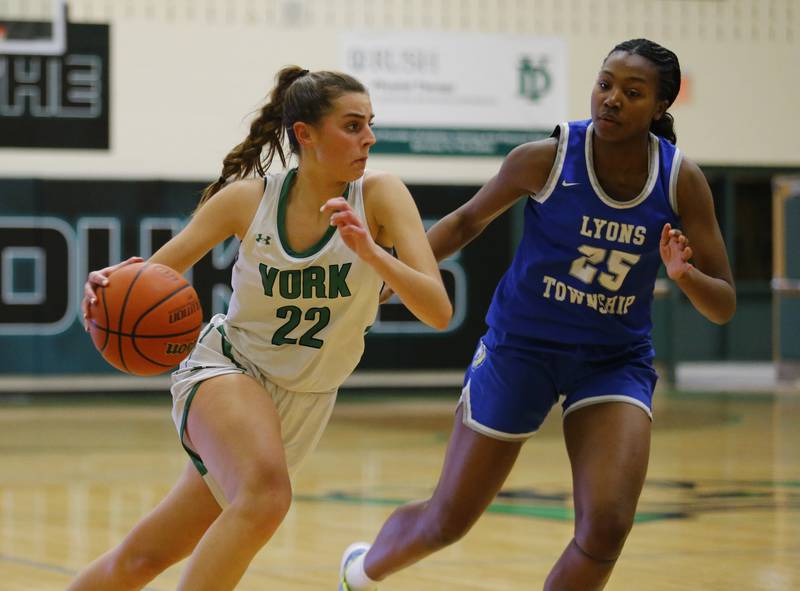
(720, 510)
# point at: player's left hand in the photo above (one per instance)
(675, 252)
(353, 230)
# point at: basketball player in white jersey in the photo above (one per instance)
(253, 398)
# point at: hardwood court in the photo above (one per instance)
(720, 510)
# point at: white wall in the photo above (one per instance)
(187, 73)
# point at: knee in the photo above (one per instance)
(137, 567)
(602, 533)
(446, 524)
(263, 502)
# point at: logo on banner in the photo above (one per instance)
(534, 78)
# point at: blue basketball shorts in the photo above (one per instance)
(513, 381)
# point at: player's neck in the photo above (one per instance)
(621, 157)
(314, 187)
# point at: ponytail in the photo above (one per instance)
(665, 127)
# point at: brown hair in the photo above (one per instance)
(298, 95)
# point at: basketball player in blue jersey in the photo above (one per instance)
(571, 319)
(253, 398)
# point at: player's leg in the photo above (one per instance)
(607, 425)
(507, 394)
(475, 468)
(166, 535)
(609, 447)
(235, 429)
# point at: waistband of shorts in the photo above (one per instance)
(495, 337)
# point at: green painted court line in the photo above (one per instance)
(532, 511)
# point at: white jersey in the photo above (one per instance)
(300, 317)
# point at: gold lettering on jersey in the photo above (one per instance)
(558, 290)
(313, 282)
(612, 231)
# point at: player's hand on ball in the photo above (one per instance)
(354, 232)
(146, 319)
(97, 279)
(675, 252)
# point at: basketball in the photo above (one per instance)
(146, 320)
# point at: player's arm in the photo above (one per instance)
(524, 171)
(708, 283)
(226, 214)
(413, 275)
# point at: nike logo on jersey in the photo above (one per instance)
(564, 183)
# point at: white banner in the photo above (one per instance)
(452, 82)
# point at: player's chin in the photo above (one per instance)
(609, 130)
(359, 165)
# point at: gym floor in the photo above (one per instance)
(720, 509)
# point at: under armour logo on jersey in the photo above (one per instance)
(263, 238)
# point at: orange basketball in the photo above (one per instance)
(146, 320)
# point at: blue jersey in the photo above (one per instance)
(585, 270)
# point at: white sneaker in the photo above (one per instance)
(352, 552)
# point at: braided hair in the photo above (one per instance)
(669, 79)
(298, 95)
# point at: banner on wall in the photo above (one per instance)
(458, 93)
(52, 232)
(58, 101)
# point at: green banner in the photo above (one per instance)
(53, 232)
(452, 142)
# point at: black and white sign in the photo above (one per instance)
(58, 101)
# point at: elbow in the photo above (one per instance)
(723, 317)
(465, 227)
(720, 319)
(440, 320)
(724, 314)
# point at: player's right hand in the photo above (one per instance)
(99, 279)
